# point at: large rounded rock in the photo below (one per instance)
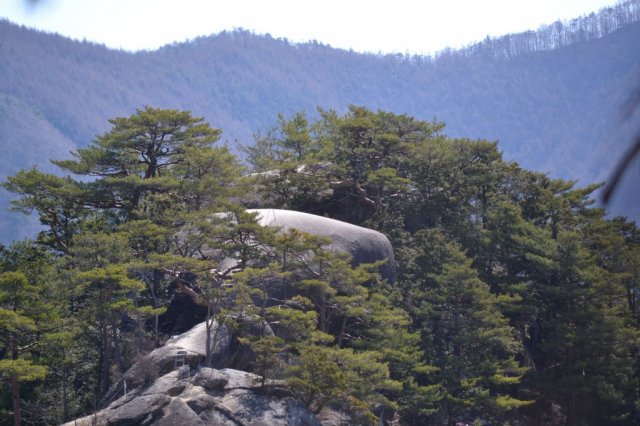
(365, 245)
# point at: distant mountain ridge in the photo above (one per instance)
(552, 98)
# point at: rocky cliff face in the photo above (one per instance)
(169, 387)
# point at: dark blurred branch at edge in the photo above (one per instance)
(633, 152)
(622, 166)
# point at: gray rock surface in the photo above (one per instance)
(196, 395)
(210, 379)
(143, 409)
(131, 409)
(162, 360)
(170, 384)
(365, 245)
(239, 399)
(178, 413)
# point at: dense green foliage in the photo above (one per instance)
(517, 302)
(520, 292)
(551, 97)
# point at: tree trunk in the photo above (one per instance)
(117, 347)
(156, 330)
(15, 390)
(65, 396)
(105, 372)
(208, 325)
(343, 328)
(157, 276)
(323, 315)
(15, 384)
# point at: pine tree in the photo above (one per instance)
(465, 338)
(586, 344)
(26, 315)
(104, 294)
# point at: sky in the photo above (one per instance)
(376, 26)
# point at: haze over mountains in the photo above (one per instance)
(553, 98)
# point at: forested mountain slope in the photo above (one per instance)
(552, 98)
(510, 301)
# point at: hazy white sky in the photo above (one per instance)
(404, 26)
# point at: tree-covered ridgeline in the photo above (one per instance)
(516, 302)
(553, 97)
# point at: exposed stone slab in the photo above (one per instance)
(210, 378)
(365, 245)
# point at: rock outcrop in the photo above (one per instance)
(365, 245)
(170, 387)
(188, 348)
(208, 397)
